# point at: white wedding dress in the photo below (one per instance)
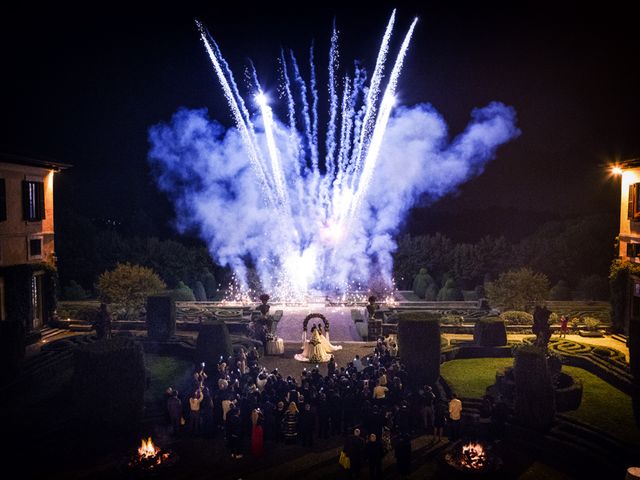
(316, 350)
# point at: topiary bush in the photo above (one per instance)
(568, 394)
(12, 348)
(199, 292)
(424, 286)
(419, 346)
(490, 332)
(161, 317)
(450, 292)
(108, 383)
(182, 293)
(210, 285)
(517, 317)
(535, 405)
(213, 342)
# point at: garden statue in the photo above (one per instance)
(541, 327)
(371, 307)
(265, 319)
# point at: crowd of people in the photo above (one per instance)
(367, 402)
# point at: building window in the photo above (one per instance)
(32, 200)
(35, 247)
(3, 200)
(633, 250)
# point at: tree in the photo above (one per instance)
(182, 293)
(129, 286)
(199, 292)
(560, 291)
(593, 287)
(518, 289)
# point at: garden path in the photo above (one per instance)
(342, 328)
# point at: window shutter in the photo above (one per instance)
(39, 200)
(3, 200)
(630, 201)
(25, 201)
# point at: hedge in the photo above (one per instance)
(424, 286)
(161, 317)
(108, 383)
(490, 332)
(213, 342)
(419, 346)
(535, 398)
(517, 317)
(12, 348)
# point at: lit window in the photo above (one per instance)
(35, 247)
(32, 200)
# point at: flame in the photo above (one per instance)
(147, 449)
(473, 456)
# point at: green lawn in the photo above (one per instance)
(470, 377)
(165, 372)
(603, 406)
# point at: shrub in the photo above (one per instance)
(199, 292)
(490, 332)
(560, 291)
(210, 285)
(419, 346)
(568, 397)
(591, 323)
(129, 285)
(86, 311)
(182, 293)
(12, 348)
(451, 319)
(602, 352)
(74, 291)
(213, 342)
(517, 317)
(450, 292)
(618, 284)
(424, 286)
(518, 289)
(535, 398)
(161, 317)
(108, 383)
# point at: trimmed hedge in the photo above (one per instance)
(161, 317)
(535, 405)
(450, 292)
(12, 348)
(424, 286)
(419, 346)
(213, 342)
(568, 397)
(517, 317)
(490, 332)
(108, 383)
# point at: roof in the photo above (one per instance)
(33, 161)
(629, 163)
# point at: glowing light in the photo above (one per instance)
(261, 99)
(617, 170)
(332, 232)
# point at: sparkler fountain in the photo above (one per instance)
(261, 195)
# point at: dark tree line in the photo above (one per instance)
(85, 250)
(574, 254)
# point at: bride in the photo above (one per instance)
(313, 350)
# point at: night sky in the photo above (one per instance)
(83, 87)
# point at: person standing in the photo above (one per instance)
(455, 416)
(233, 428)
(428, 412)
(354, 448)
(257, 434)
(374, 453)
(402, 452)
(103, 323)
(439, 418)
(564, 327)
(290, 424)
(331, 367)
(194, 416)
(174, 407)
(307, 425)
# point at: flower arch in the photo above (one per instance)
(315, 315)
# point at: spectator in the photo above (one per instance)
(403, 455)
(307, 425)
(174, 407)
(455, 416)
(290, 424)
(374, 454)
(233, 428)
(354, 448)
(194, 416)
